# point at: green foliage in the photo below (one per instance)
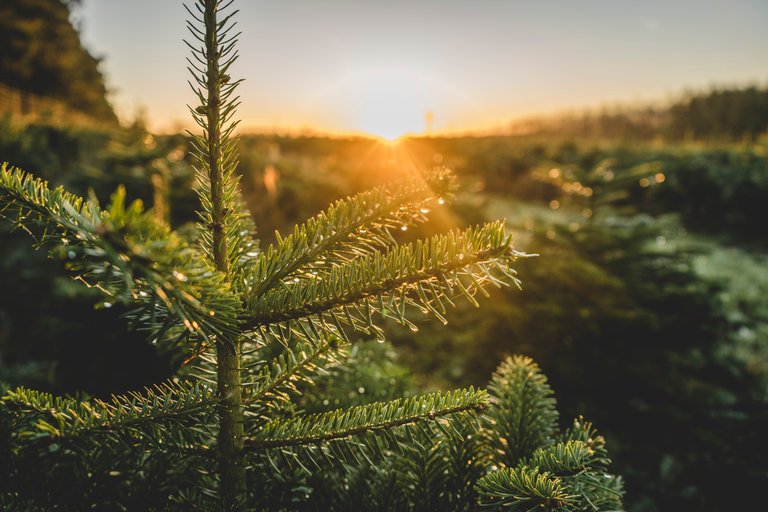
(464, 469)
(127, 254)
(539, 470)
(46, 318)
(338, 424)
(371, 373)
(522, 397)
(277, 381)
(522, 489)
(425, 275)
(638, 322)
(135, 259)
(627, 307)
(361, 225)
(215, 152)
(140, 416)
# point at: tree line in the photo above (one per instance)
(721, 113)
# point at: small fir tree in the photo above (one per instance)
(514, 458)
(258, 324)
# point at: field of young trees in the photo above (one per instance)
(632, 295)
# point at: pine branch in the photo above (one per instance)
(135, 414)
(350, 228)
(522, 489)
(376, 417)
(564, 458)
(582, 471)
(595, 488)
(126, 254)
(578, 467)
(277, 380)
(584, 431)
(597, 491)
(468, 461)
(523, 417)
(421, 470)
(520, 428)
(26, 200)
(424, 274)
(436, 472)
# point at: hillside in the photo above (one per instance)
(43, 56)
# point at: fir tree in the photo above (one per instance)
(257, 324)
(513, 458)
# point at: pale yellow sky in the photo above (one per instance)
(378, 67)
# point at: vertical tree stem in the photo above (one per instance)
(231, 432)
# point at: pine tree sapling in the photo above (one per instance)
(535, 469)
(259, 327)
(522, 393)
(479, 465)
(253, 322)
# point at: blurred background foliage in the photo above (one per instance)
(647, 306)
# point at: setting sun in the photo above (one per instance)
(387, 103)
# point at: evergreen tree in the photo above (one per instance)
(513, 458)
(258, 324)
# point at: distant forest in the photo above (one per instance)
(720, 113)
(42, 54)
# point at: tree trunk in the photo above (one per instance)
(231, 432)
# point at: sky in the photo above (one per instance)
(379, 67)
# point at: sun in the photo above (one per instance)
(391, 108)
(387, 103)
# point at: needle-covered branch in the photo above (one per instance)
(524, 414)
(350, 228)
(541, 471)
(522, 489)
(226, 229)
(427, 274)
(127, 254)
(276, 381)
(382, 416)
(136, 415)
(573, 468)
(565, 458)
